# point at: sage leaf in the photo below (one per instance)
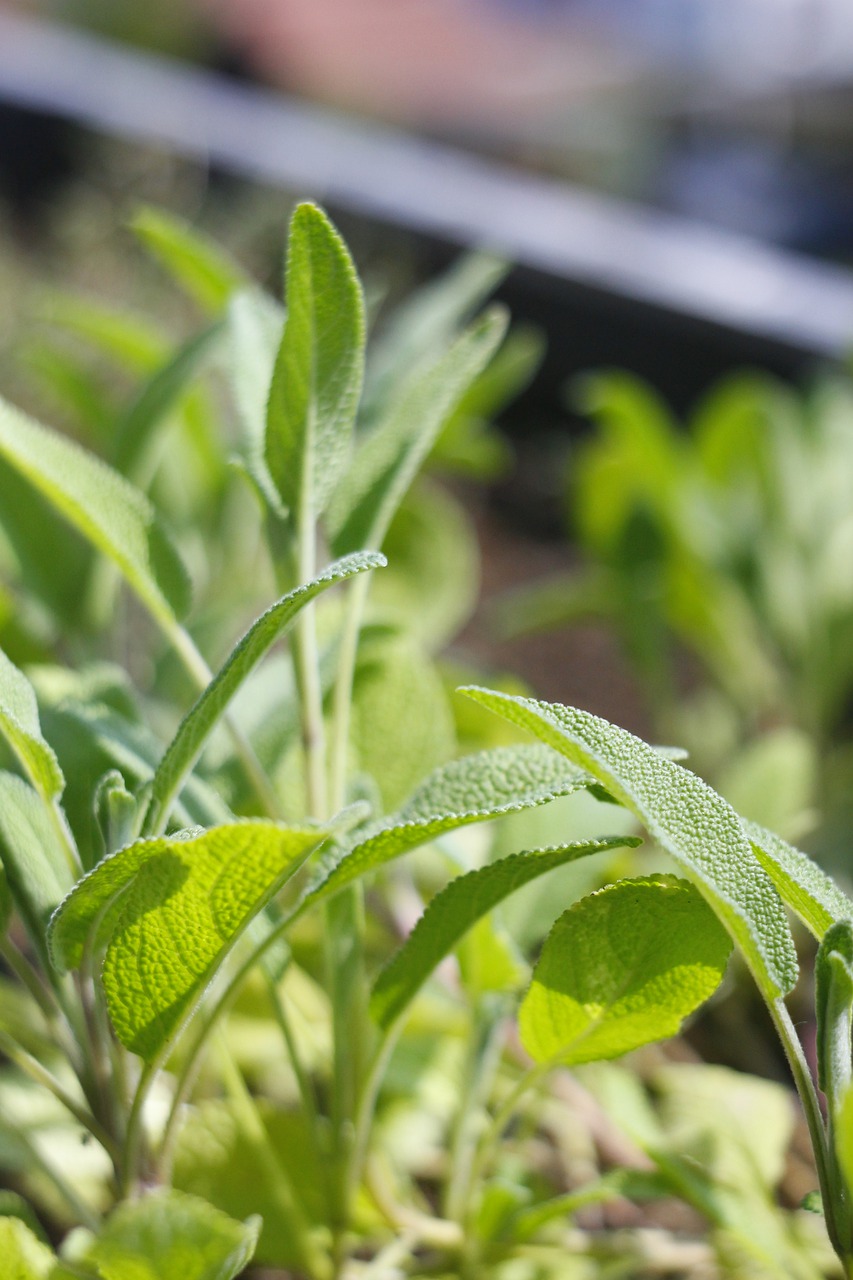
(19, 724)
(255, 324)
(202, 718)
(476, 788)
(623, 967)
(33, 857)
(168, 1235)
(319, 367)
(421, 326)
(202, 268)
(800, 882)
(109, 511)
(695, 825)
(170, 910)
(453, 911)
(390, 455)
(24, 1256)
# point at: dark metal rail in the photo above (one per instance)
(625, 250)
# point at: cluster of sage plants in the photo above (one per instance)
(218, 981)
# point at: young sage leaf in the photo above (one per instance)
(684, 815)
(33, 857)
(19, 724)
(473, 789)
(457, 908)
(168, 1235)
(388, 458)
(255, 324)
(202, 718)
(800, 882)
(109, 511)
(199, 265)
(170, 911)
(319, 368)
(623, 967)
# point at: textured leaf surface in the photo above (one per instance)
(33, 859)
(319, 368)
(172, 1236)
(24, 1256)
(802, 885)
(199, 265)
(255, 323)
(19, 723)
(457, 908)
(389, 457)
(113, 515)
(171, 911)
(621, 968)
(684, 815)
(204, 715)
(474, 789)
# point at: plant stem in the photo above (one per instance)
(31, 1067)
(311, 1258)
(824, 1158)
(80, 1211)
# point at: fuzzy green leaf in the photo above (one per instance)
(19, 724)
(457, 908)
(416, 331)
(255, 323)
(202, 718)
(844, 1135)
(199, 265)
(621, 968)
(684, 815)
(171, 910)
(474, 789)
(36, 868)
(802, 885)
(169, 1235)
(24, 1256)
(390, 455)
(113, 515)
(319, 368)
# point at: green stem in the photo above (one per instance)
(303, 1081)
(311, 1258)
(43, 996)
(811, 1106)
(135, 1137)
(31, 1067)
(79, 1210)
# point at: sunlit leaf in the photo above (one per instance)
(689, 820)
(319, 367)
(200, 721)
(621, 968)
(170, 911)
(113, 515)
(457, 908)
(19, 723)
(168, 1235)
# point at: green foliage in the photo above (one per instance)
(622, 968)
(459, 907)
(216, 1012)
(319, 367)
(204, 889)
(689, 820)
